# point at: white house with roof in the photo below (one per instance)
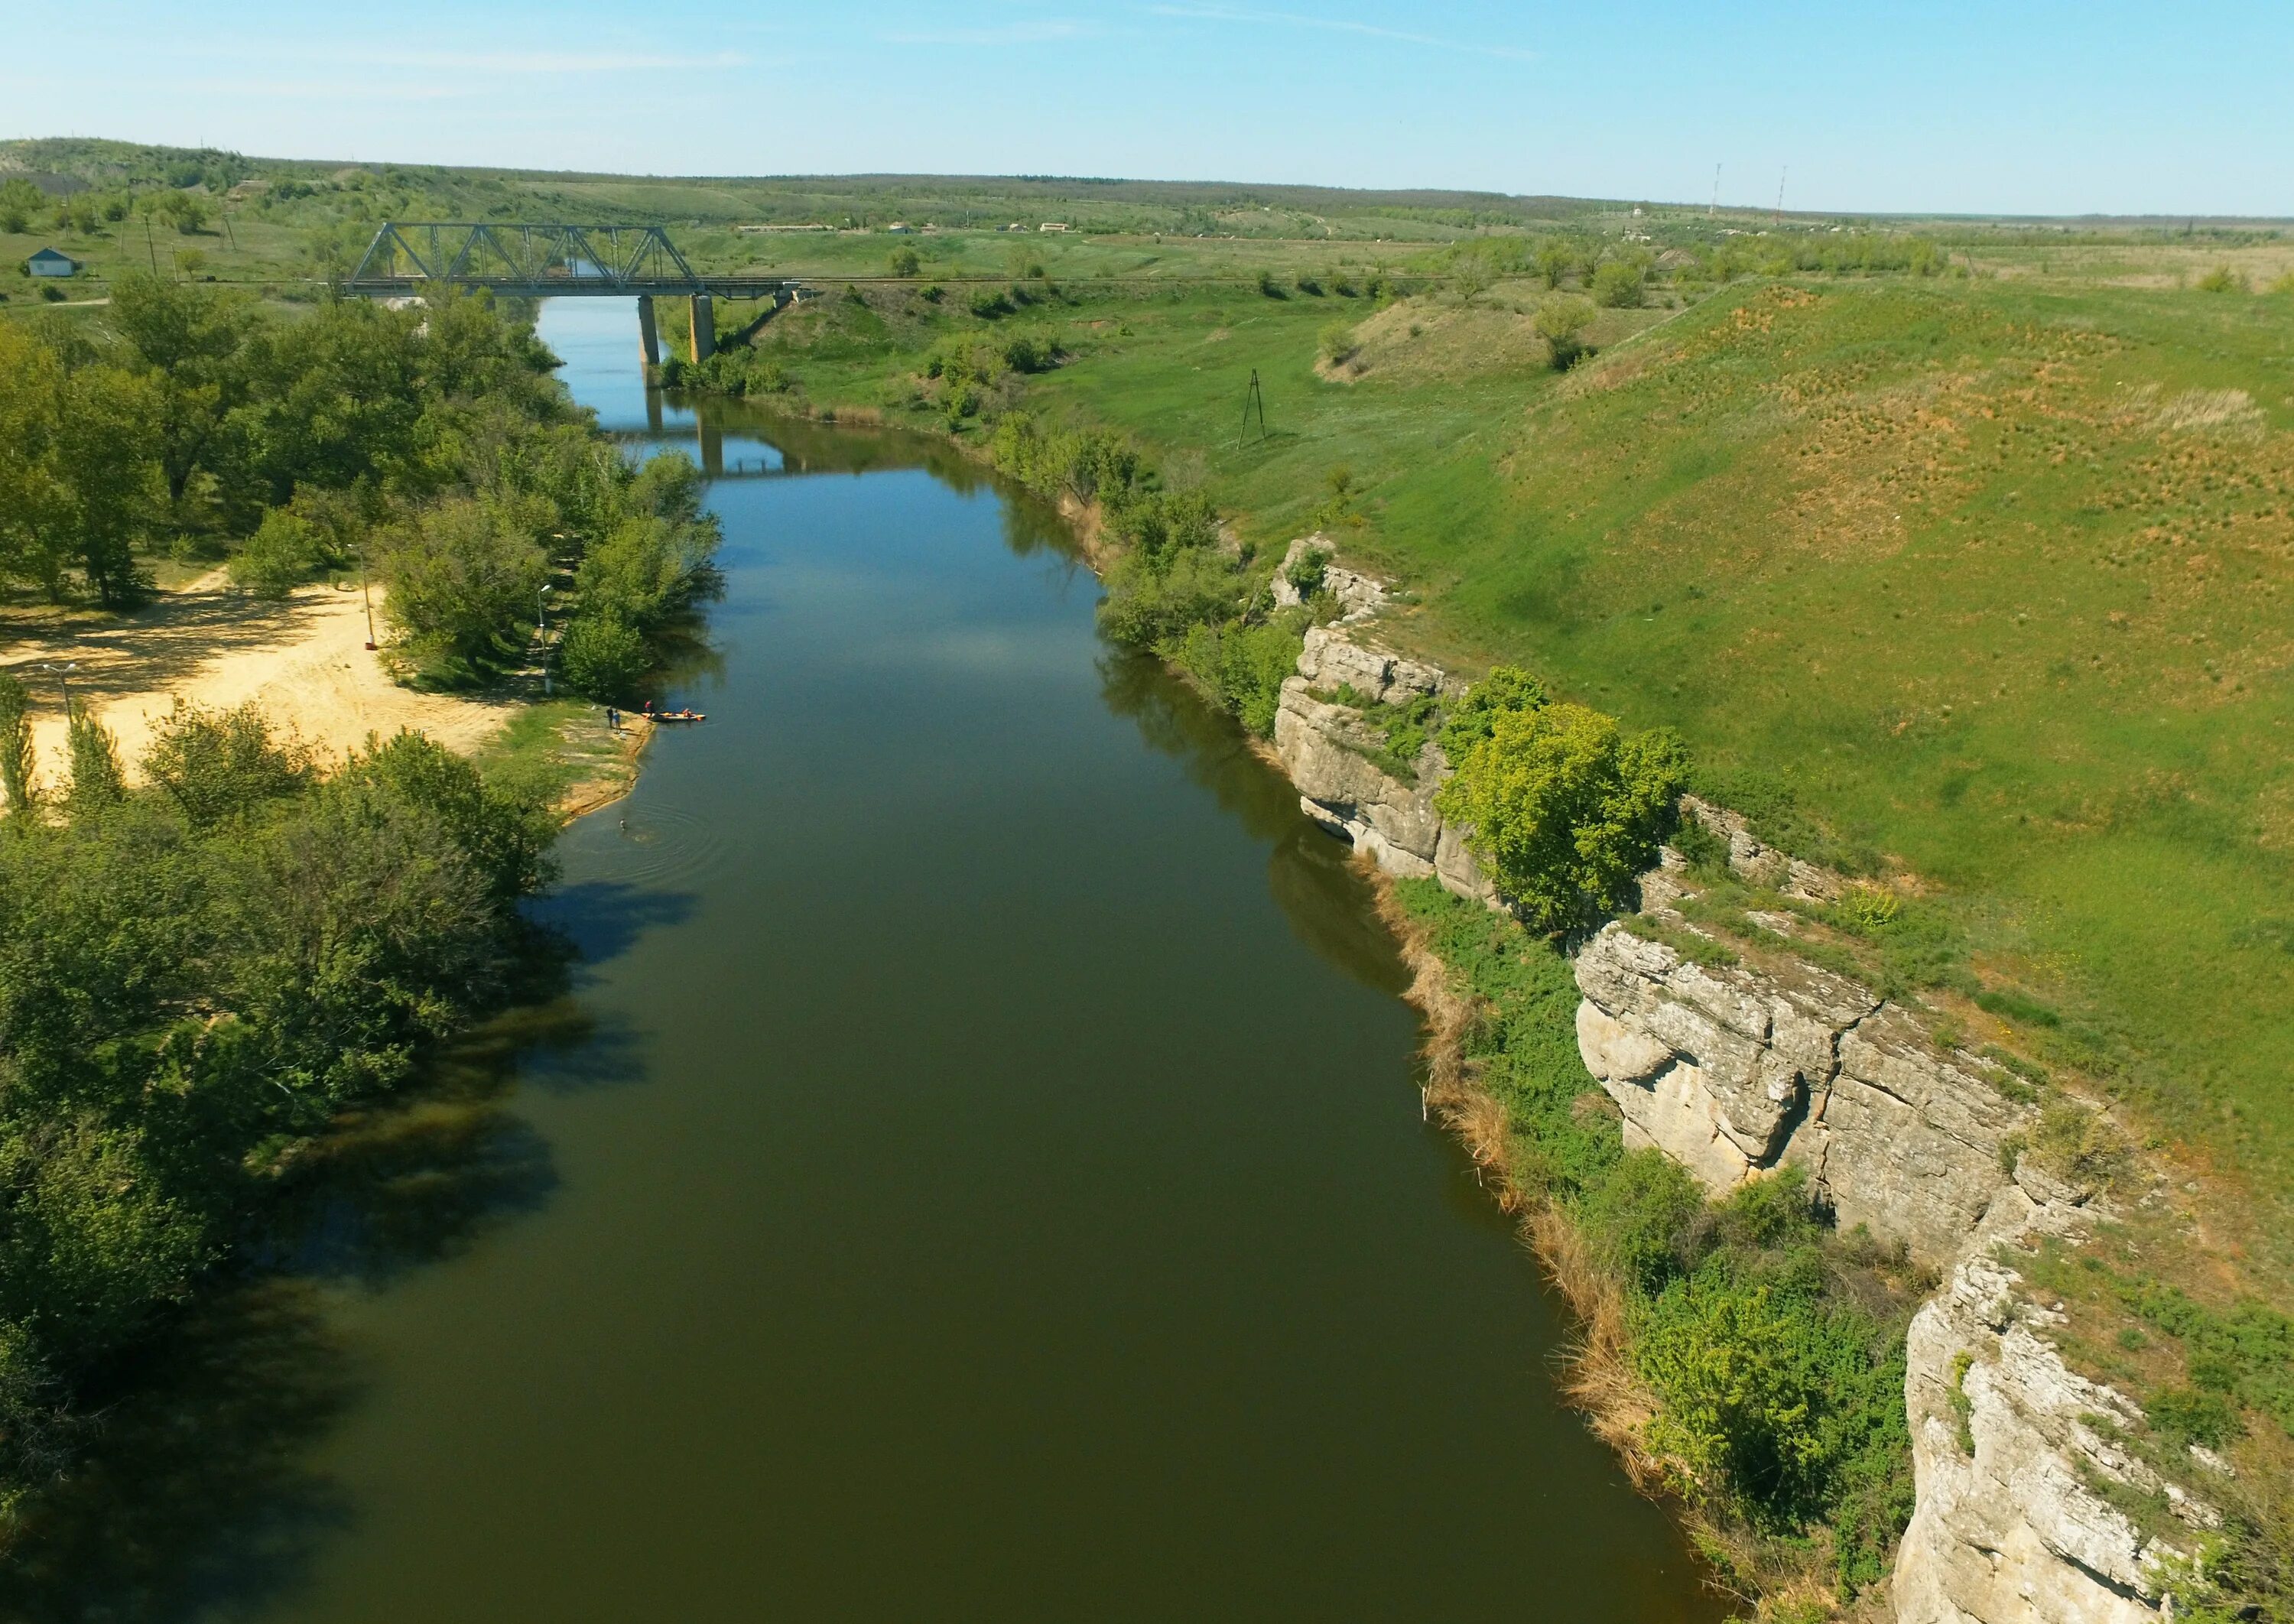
(52, 262)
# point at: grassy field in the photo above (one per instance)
(1992, 572)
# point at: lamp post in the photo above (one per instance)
(63, 684)
(366, 597)
(541, 634)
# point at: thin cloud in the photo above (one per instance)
(514, 62)
(1013, 33)
(1339, 25)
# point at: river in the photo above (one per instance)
(977, 1175)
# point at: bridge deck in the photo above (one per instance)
(581, 287)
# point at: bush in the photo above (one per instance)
(1243, 667)
(1641, 1219)
(1149, 606)
(904, 261)
(278, 557)
(1567, 807)
(1617, 284)
(1338, 342)
(989, 303)
(603, 657)
(213, 764)
(1562, 323)
(2222, 279)
(1268, 286)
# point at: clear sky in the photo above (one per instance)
(2053, 106)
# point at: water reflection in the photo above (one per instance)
(196, 1487)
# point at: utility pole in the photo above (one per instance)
(1779, 219)
(366, 597)
(1714, 213)
(149, 246)
(1250, 399)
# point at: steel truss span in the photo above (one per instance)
(539, 261)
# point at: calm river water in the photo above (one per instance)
(977, 1176)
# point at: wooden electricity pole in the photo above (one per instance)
(1252, 398)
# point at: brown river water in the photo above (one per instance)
(978, 1174)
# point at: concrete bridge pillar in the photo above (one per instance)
(649, 334)
(704, 328)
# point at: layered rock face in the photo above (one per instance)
(1731, 1071)
(2007, 1530)
(1734, 1071)
(1323, 747)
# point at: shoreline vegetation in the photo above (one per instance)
(219, 944)
(1746, 1359)
(1954, 552)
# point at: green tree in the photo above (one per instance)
(110, 487)
(16, 759)
(1553, 261)
(603, 657)
(19, 199)
(1565, 807)
(278, 557)
(1562, 323)
(1618, 284)
(464, 574)
(904, 260)
(96, 782)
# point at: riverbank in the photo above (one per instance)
(2139, 1545)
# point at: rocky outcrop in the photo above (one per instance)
(1325, 747)
(1733, 1070)
(2009, 1446)
(1359, 596)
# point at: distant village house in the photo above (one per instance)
(52, 262)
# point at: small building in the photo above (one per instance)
(52, 262)
(1053, 225)
(900, 228)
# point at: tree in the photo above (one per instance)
(19, 198)
(905, 262)
(1567, 807)
(1562, 323)
(603, 657)
(1617, 283)
(96, 781)
(188, 342)
(278, 557)
(16, 758)
(110, 487)
(464, 573)
(1553, 261)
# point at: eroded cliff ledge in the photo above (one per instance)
(1735, 1070)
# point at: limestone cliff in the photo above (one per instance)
(1736, 1070)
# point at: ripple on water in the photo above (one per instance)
(663, 845)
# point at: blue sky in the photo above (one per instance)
(2046, 108)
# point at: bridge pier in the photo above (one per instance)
(649, 334)
(704, 328)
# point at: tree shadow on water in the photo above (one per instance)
(603, 919)
(1310, 873)
(192, 1490)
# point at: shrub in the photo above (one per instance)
(1030, 352)
(989, 302)
(1151, 607)
(278, 557)
(1268, 286)
(1562, 323)
(2187, 1415)
(1617, 284)
(1338, 342)
(1768, 1395)
(1473, 719)
(1567, 807)
(603, 657)
(16, 758)
(1639, 1220)
(1705, 850)
(904, 260)
(96, 781)
(215, 764)
(1309, 569)
(1243, 667)
(2222, 279)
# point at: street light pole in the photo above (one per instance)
(366, 597)
(541, 635)
(63, 684)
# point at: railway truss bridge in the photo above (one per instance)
(411, 257)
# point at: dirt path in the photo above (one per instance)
(304, 662)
